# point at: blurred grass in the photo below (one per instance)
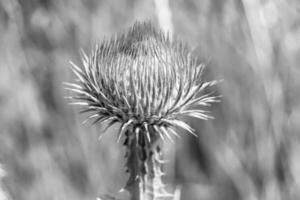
(250, 151)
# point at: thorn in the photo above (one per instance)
(100, 137)
(177, 193)
(122, 190)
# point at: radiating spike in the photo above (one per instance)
(147, 131)
(123, 128)
(85, 61)
(83, 93)
(79, 103)
(100, 119)
(199, 116)
(181, 124)
(90, 117)
(83, 55)
(75, 67)
(173, 131)
(159, 133)
(112, 121)
(166, 133)
(72, 85)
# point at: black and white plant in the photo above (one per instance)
(147, 83)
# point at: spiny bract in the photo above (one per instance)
(142, 79)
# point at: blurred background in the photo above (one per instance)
(248, 152)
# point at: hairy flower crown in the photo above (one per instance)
(142, 79)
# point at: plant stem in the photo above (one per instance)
(144, 166)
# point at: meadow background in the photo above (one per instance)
(250, 151)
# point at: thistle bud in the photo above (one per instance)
(146, 82)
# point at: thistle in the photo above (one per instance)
(146, 82)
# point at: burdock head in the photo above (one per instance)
(146, 82)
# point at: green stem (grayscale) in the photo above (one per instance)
(144, 166)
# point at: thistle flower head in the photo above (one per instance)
(143, 80)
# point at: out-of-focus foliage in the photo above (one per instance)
(250, 151)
